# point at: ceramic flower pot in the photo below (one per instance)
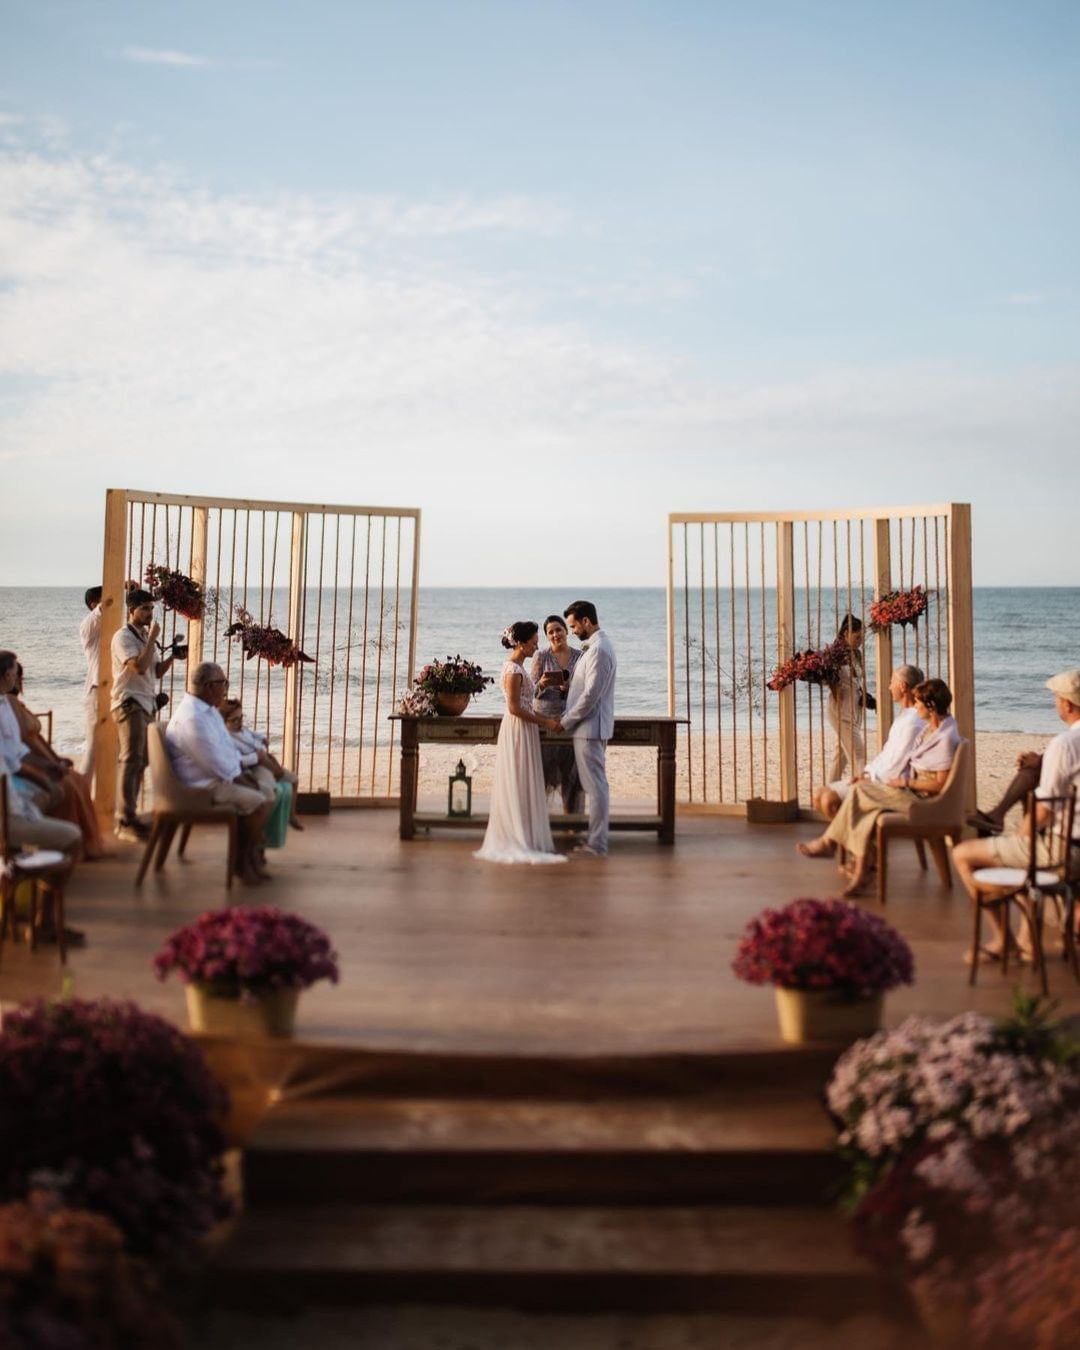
(451, 705)
(271, 1014)
(826, 1015)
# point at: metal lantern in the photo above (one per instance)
(459, 796)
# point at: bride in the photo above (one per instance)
(518, 827)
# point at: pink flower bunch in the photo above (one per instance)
(823, 944)
(66, 1281)
(1031, 1297)
(898, 607)
(455, 675)
(260, 640)
(928, 1080)
(121, 1111)
(176, 591)
(240, 953)
(812, 667)
(945, 1207)
(416, 702)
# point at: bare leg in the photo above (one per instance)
(1024, 782)
(817, 848)
(858, 877)
(968, 857)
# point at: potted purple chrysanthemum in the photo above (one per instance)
(244, 968)
(831, 963)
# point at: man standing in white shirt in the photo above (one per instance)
(1059, 775)
(135, 672)
(90, 637)
(904, 732)
(204, 755)
(590, 715)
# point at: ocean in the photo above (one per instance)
(1022, 636)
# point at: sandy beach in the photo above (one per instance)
(632, 772)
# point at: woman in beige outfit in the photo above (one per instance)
(924, 776)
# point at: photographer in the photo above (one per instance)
(136, 668)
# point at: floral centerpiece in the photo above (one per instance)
(245, 968)
(898, 607)
(449, 684)
(67, 1282)
(824, 956)
(415, 702)
(263, 641)
(176, 591)
(824, 666)
(120, 1110)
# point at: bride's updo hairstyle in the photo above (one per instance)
(518, 633)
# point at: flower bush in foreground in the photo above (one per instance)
(119, 1111)
(928, 1080)
(66, 1283)
(824, 944)
(1031, 1297)
(241, 953)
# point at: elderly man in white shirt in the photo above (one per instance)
(204, 755)
(906, 729)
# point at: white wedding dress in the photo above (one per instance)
(519, 830)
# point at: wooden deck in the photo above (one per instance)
(443, 953)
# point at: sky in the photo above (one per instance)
(545, 270)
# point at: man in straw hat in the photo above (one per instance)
(1060, 773)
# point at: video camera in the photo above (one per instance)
(177, 648)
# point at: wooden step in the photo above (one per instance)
(798, 1259)
(763, 1146)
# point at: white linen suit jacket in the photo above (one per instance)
(590, 700)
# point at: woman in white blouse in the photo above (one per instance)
(924, 776)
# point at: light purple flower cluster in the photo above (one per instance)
(823, 944)
(240, 953)
(930, 1080)
(121, 1112)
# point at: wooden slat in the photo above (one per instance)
(753, 517)
(256, 504)
(113, 618)
(785, 645)
(961, 631)
(882, 585)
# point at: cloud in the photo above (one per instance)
(159, 335)
(153, 56)
(1026, 298)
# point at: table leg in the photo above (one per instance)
(410, 774)
(666, 784)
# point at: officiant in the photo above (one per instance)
(551, 672)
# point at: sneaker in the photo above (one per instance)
(984, 825)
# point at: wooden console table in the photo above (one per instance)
(633, 731)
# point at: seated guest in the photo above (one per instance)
(204, 755)
(923, 776)
(1021, 786)
(255, 756)
(74, 802)
(1060, 773)
(906, 729)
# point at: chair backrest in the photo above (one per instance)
(5, 837)
(169, 793)
(948, 806)
(1055, 838)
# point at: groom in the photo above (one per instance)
(590, 715)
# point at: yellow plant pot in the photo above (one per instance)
(825, 1015)
(271, 1014)
(944, 1316)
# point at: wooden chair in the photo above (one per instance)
(935, 821)
(178, 806)
(1046, 879)
(46, 869)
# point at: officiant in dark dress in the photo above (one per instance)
(551, 671)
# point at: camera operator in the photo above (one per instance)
(136, 668)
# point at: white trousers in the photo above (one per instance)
(86, 768)
(592, 770)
